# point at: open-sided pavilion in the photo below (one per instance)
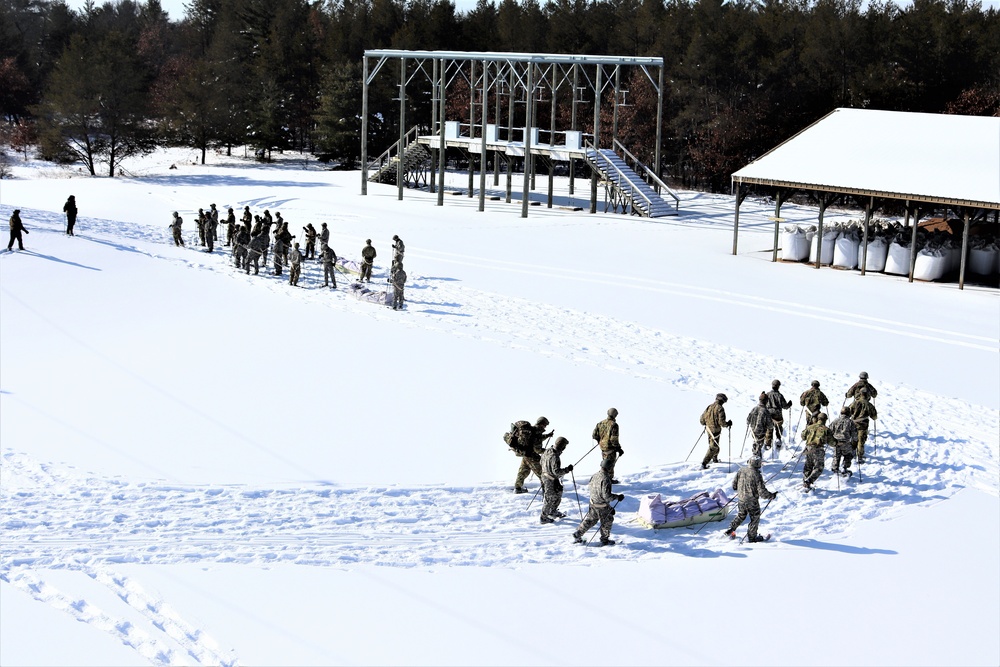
(525, 80)
(927, 162)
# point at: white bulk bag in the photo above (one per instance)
(898, 260)
(878, 248)
(829, 241)
(845, 252)
(932, 264)
(982, 261)
(794, 244)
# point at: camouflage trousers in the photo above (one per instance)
(553, 490)
(862, 439)
(294, 271)
(758, 444)
(253, 257)
(177, 238)
(606, 515)
(713, 449)
(613, 455)
(813, 466)
(775, 432)
(751, 508)
(528, 466)
(397, 297)
(366, 272)
(329, 274)
(845, 450)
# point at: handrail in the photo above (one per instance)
(632, 189)
(387, 155)
(651, 173)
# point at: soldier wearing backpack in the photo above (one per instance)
(527, 441)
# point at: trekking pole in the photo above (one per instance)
(585, 455)
(758, 519)
(577, 492)
(797, 421)
(695, 444)
(705, 523)
(540, 483)
(730, 429)
(874, 436)
(599, 525)
(743, 446)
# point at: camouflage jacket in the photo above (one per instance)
(844, 430)
(858, 386)
(817, 435)
(861, 411)
(258, 243)
(776, 403)
(714, 417)
(600, 489)
(814, 400)
(551, 464)
(324, 236)
(606, 435)
(176, 224)
(294, 256)
(329, 256)
(749, 485)
(398, 278)
(368, 254)
(759, 421)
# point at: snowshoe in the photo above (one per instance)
(615, 481)
(761, 539)
(577, 538)
(731, 534)
(520, 489)
(546, 519)
(558, 515)
(606, 543)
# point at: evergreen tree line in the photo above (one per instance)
(118, 79)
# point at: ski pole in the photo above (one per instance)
(705, 523)
(758, 518)
(695, 444)
(577, 492)
(743, 446)
(730, 429)
(585, 455)
(540, 484)
(599, 525)
(874, 436)
(797, 421)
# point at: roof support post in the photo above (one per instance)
(913, 242)
(400, 167)
(572, 123)
(364, 127)
(965, 251)
(869, 207)
(434, 123)
(442, 146)
(779, 199)
(529, 121)
(659, 127)
(496, 119)
(597, 135)
(472, 121)
(614, 111)
(533, 103)
(552, 134)
(741, 194)
(482, 145)
(510, 125)
(819, 234)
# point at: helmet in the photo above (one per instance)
(775, 384)
(175, 214)
(561, 442)
(762, 398)
(608, 463)
(612, 412)
(721, 398)
(815, 383)
(395, 237)
(864, 375)
(368, 241)
(845, 410)
(542, 421)
(754, 461)
(821, 417)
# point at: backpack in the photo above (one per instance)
(518, 437)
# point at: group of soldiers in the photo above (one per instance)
(847, 434)
(528, 441)
(252, 238)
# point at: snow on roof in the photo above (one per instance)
(919, 156)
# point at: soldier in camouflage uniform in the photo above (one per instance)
(240, 245)
(551, 484)
(862, 383)
(398, 279)
(775, 404)
(759, 421)
(200, 221)
(367, 259)
(398, 248)
(817, 436)
(813, 401)
(324, 235)
(606, 435)
(247, 218)
(277, 252)
(600, 505)
(845, 434)
(714, 420)
(861, 411)
(532, 441)
(329, 258)
(310, 233)
(175, 227)
(211, 224)
(230, 227)
(294, 265)
(750, 488)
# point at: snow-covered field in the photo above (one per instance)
(201, 466)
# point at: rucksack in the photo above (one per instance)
(518, 437)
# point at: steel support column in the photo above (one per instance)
(364, 127)
(482, 145)
(527, 141)
(597, 137)
(869, 209)
(965, 251)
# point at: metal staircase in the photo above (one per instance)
(626, 189)
(415, 156)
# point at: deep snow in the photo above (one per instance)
(205, 466)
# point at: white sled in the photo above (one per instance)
(702, 508)
(349, 266)
(381, 297)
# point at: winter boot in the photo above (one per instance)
(577, 537)
(546, 519)
(606, 542)
(520, 489)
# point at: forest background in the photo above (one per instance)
(110, 81)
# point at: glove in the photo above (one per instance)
(549, 434)
(570, 468)
(729, 424)
(621, 497)
(621, 452)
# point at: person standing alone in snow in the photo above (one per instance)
(16, 227)
(69, 208)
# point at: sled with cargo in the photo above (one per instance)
(702, 508)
